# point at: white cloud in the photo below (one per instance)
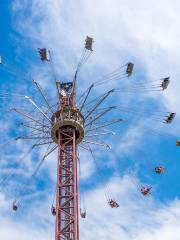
(140, 31)
(136, 218)
(87, 165)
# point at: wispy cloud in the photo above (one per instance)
(142, 32)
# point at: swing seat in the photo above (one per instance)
(53, 211)
(113, 204)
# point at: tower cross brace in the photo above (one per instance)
(67, 131)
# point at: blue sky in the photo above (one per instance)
(144, 33)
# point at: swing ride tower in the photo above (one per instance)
(73, 121)
(67, 131)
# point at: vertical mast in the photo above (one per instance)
(68, 131)
(67, 191)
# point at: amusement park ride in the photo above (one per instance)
(70, 124)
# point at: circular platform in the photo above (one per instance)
(67, 117)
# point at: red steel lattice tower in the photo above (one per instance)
(67, 131)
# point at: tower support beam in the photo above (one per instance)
(67, 190)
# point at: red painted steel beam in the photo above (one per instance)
(67, 188)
